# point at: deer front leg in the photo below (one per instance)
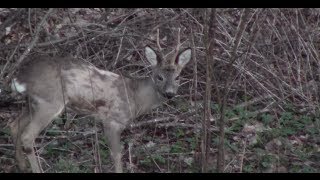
(41, 118)
(112, 132)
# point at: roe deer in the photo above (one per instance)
(50, 84)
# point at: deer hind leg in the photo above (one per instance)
(17, 126)
(113, 131)
(43, 115)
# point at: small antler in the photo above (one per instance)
(158, 41)
(178, 41)
(177, 49)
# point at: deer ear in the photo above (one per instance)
(183, 57)
(151, 55)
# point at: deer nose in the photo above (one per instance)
(169, 95)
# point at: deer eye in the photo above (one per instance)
(159, 78)
(177, 78)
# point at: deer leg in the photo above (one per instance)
(42, 117)
(17, 126)
(113, 131)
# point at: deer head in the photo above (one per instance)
(166, 71)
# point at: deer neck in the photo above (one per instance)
(146, 96)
